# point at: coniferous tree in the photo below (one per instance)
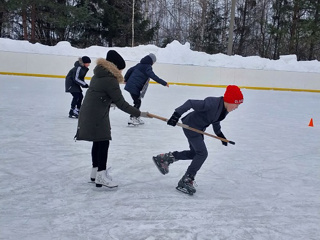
(268, 28)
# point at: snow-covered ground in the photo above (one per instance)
(173, 53)
(266, 186)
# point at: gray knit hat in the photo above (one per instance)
(153, 57)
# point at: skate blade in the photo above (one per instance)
(184, 190)
(132, 125)
(159, 167)
(100, 185)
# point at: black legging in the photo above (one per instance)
(76, 100)
(99, 153)
(136, 101)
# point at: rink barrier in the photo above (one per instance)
(172, 83)
(57, 66)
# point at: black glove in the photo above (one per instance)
(174, 119)
(222, 136)
(86, 86)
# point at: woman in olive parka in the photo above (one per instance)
(94, 122)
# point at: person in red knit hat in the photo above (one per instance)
(210, 111)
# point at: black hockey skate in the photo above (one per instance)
(73, 114)
(185, 184)
(162, 161)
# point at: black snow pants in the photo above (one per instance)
(76, 100)
(136, 101)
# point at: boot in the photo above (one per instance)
(163, 161)
(186, 184)
(133, 121)
(104, 179)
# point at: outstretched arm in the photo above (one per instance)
(197, 105)
(154, 77)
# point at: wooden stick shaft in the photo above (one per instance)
(190, 128)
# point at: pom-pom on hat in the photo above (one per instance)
(153, 57)
(116, 59)
(233, 95)
(86, 59)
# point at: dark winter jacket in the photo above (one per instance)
(137, 77)
(211, 110)
(75, 77)
(104, 89)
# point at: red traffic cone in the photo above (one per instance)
(311, 123)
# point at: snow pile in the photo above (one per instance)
(173, 53)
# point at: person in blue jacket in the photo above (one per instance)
(210, 111)
(137, 81)
(75, 81)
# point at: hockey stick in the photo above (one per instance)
(192, 129)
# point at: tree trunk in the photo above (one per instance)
(293, 29)
(243, 28)
(314, 31)
(33, 23)
(132, 24)
(230, 41)
(24, 22)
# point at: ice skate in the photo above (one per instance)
(140, 121)
(104, 179)
(163, 161)
(133, 121)
(73, 113)
(185, 184)
(93, 174)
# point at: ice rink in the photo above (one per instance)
(266, 186)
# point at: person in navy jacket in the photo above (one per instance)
(137, 81)
(210, 111)
(74, 82)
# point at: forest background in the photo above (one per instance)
(265, 28)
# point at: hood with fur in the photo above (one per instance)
(105, 67)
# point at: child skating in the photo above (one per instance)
(75, 81)
(210, 111)
(137, 81)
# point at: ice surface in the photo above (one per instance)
(267, 186)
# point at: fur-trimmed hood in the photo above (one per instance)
(105, 67)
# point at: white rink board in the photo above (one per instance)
(48, 64)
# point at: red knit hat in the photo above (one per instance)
(233, 95)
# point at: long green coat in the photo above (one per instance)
(104, 89)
